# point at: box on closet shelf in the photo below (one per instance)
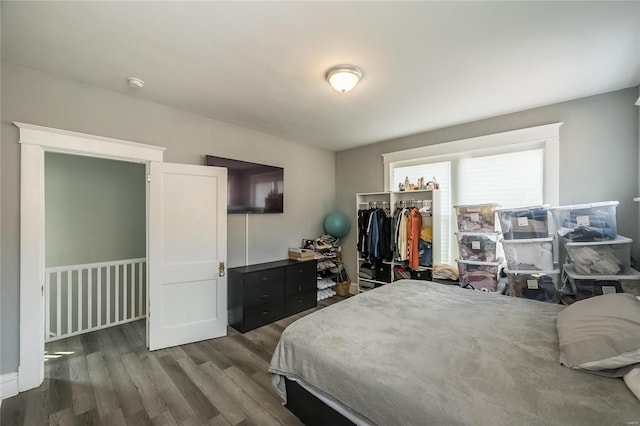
(530, 254)
(524, 222)
(584, 286)
(543, 286)
(477, 246)
(611, 257)
(476, 217)
(421, 274)
(586, 222)
(383, 272)
(479, 275)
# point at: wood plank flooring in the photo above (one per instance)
(108, 377)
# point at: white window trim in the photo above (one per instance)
(546, 136)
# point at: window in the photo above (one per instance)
(442, 174)
(518, 168)
(513, 179)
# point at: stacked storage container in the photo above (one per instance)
(599, 260)
(528, 249)
(478, 264)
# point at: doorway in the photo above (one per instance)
(35, 141)
(95, 244)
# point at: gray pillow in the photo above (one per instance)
(601, 334)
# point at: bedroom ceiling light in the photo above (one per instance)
(343, 78)
(135, 82)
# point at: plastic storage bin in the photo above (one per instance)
(524, 222)
(536, 285)
(586, 222)
(611, 257)
(585, 286)
(477, 246)
(479, 275)
(476, 218)
(533, 254)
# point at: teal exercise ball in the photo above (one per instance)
(336, 224)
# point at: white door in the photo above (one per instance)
(187, 249)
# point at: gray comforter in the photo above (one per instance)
(416, 353)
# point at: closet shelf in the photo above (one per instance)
(386, 262)
(372, 281)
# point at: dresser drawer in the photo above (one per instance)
(263, 293)
(256, 294)
(301, 302)
(254, 280)
(300, 278)
(258, 316)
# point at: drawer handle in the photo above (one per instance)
(300, 300)
(299, 288)
(265, 278)
(264, 295)
(265, 312)
(301, 270)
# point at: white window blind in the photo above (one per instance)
(514, 179)
(442, 173)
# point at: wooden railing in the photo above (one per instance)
(83, 298)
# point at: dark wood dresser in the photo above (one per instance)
(266, 292)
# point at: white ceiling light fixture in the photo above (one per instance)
(135, 82)
(344, 77)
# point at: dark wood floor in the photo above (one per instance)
(108, 377)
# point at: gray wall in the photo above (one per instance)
(95, 210)
(38, 98)
(598, 156)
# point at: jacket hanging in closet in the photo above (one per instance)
(413, 238)
(374, 234)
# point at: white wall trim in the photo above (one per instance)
(547, 136)
(31, 368)
(528, 134)
(8, 385)
(35, 141)
(81, 143)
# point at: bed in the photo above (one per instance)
(418, 352)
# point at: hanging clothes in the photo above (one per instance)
(413, 236)
(363, 223)
(401, 234)
(386, 243)
(374, 234)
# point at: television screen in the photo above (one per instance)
(251, 187)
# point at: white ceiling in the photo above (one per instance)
(261, 64)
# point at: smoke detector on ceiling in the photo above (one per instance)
(135, 82)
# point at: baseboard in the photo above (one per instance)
(8, 385)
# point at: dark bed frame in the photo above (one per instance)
(309, 409)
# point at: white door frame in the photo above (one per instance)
(35, 141)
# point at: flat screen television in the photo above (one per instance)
(251, 187)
